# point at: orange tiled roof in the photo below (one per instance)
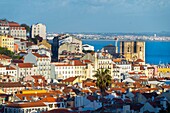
(70, 79)
(116, 60)
(59, 110)
(63, 65)
(78, 63)
(1, 65)
(4, 57)
(166, 86)
(26, 104)
(56, 92)
(10, 68)
(88, 84)
(39, 95)
(49, 99)
(11, 84)
(85, 91)
(93, 89)
(87, 61)
(118, 89)
(139, 60)
(13, 24)
(39, 56)
(38, 77)
(25, 65)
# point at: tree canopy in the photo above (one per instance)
(27, 27)
(103, 81)
(9, 53)
(36, 39)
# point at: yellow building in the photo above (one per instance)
(164, 69)
(33, 91)
(71, 80)
(132, 50)
(7, 42)
(44, 44)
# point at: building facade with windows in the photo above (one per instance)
(70, 69)
(132, 50)
(7, 41)
(17, 31)
(38, 29)
(4, 27)
(42, 62)
(25, 69)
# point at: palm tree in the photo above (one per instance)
(103, 81)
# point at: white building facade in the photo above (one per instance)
(38, 29)
(41, 61)
(66, 70)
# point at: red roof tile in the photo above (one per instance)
(59, 110)
(26, 104)
(4, 57)
(40, 56)
(139, 60)
(11, 84)
(13, 24)
(78, 63)
(25, 65)
(70, 79)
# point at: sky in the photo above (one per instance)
(90, 15)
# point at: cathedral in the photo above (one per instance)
(132, 50)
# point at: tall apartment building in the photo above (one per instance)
(132, 50)
(7, 42)
(38, 29)
(13, 29)
(66, 43)
(4, 27)
(17, 31)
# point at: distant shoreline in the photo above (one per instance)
(126, 40)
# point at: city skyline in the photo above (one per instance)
(91, 16)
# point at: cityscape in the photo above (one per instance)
(49, 69)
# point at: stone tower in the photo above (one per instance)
(132, 50)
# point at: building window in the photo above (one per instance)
(50, 105)
(128, 49)
(140, 48)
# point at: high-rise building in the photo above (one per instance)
(132, 50)
(38, 29)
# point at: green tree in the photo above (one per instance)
(103, 81)
(27, 27)
(9, 53)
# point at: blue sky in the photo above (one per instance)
(90, 15)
